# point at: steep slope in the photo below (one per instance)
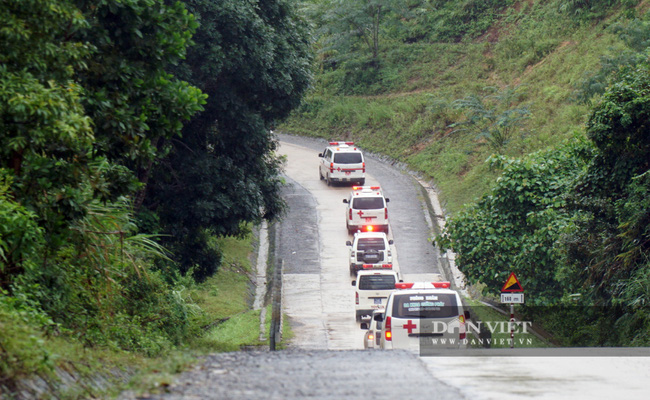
(407, 103)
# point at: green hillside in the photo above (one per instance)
(405, 107)
(531, 117)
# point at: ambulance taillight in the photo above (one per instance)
(388, 334)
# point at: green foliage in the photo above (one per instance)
(35, 38)
(98, 287)
(634, 34)
(21, 343)
(574, 221)
(231, 335)
(130, 95)
(20, 236)
(619, 129)
(534, 32)
(613, 236)
(89, 106)
(453, 20)
(361, 76)
(351, 25)
(253, 60)
(588, 9)
(46, 138)
(517, 225)
(492, 116)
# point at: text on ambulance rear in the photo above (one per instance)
(416, 318)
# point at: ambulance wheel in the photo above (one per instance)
(320, 175)
(329, 181)
(362, 182)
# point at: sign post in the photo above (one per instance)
(512, 292)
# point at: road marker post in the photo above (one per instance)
(512, 292)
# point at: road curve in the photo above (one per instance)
(319, 300)
(318, 297)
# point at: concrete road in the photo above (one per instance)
(319, 301)
(319, 298)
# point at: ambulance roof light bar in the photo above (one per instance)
(355, 188)
(422, 285)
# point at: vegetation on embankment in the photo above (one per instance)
(134, 139)
(218, 316)
(531, 118)
(407, 106)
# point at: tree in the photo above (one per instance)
(132, 98)
(516, 227)
(493, 116)
(83, 84)
(613, 239)
(45, 136)
(350, 23)
(575, 220)
(253, 60)
(69, 252)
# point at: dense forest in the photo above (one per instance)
(132, 134)
(532, 118)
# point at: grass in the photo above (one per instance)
(230, 323)
(223, 320)
(408, 114)
(240, 330)
(228, 292)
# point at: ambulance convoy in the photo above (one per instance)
(395, 314)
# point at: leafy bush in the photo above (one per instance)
(360, 77)
(516, 227)
(99, 289)
(493, 116)
(589, 9)
(452, 20)
(22, 325)
(635, 36)
(20, 235)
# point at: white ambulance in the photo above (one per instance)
(424, 317)
(371, 291)
(342, 162)
(367, 210)
(370, 250)
(373, 331)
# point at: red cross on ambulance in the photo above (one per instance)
(409, 326)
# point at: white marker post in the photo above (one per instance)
(512, 292)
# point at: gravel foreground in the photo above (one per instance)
(316, 374)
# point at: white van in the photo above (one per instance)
(370, 250)
(372, 337)
(371, 292)
(367, 210)
(424, 316)
(342, 162)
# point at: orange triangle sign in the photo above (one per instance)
(512, 284)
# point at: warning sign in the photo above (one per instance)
(512, 285)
